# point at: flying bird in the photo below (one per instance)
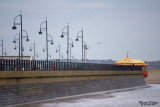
(99, 43)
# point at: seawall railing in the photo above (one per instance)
(41, 65)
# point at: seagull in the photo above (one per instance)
(99, 43)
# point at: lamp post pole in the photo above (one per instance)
(59, 52)
(66, 33)
(82, 41)
(67, 42)
(33, 46)
(18, 42)
(85, 48)
(34, 51)
(18, 47)
(70, 54)
(40, 32)
(47, 40)
(46, 29)
(14, 27)
(19, 52)
(58, 49)
(71, 45)
(82, 45)
(2, 50)
(21, 38)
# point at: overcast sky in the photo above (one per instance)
(111, 27)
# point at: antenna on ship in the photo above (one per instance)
(127, 54)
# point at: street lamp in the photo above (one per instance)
(85, 45)
(51, 40)
(85, 48)
(45, 48)
(37, 54)
(49, 54)
(27, 39)
(82, 40)
(62, 36)
(33, 46)
(71, 45)
(58, 49)
(3, 52)
(22, 48)
(14, 28)
(2, 49)
(72, 56)
(18, 38)
(46, 30)
(15, 46)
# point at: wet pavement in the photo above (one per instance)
(143, 97)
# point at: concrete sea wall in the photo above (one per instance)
(22, 87)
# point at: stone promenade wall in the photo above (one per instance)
(17, 90)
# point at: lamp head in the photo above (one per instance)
(40, 32)
(27, 39)
(52, 43)
(56, 51)
(15, 48)
(30, 49)
(77, 39)
(14, 41)
(43, 50)
(14, 27)
(72, 45)
(62, 36)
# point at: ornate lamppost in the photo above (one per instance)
(33, 46)
(15, 41)
(3, 52)
(85, 48)
(58, 49)
(71, 45)
(77, 39)
(67, 34)
(46, 30)
(21, 30)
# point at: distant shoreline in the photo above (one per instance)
(153, 76)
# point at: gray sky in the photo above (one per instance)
(111, 27)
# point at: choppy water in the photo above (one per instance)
(145, 97)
